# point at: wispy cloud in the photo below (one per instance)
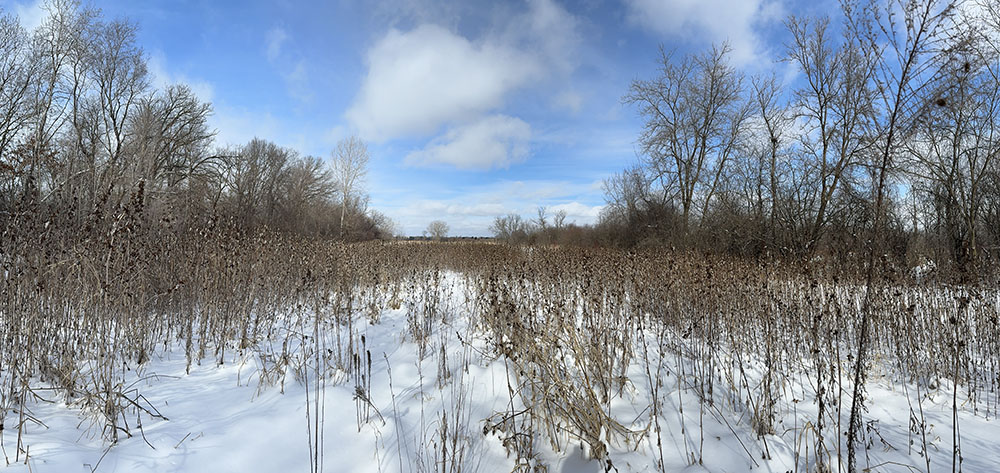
(30, 14)
(274, 41)
(569, 100)
(712, 21)
(293, 69)
(297, 82)
(495, 141)
(162, 76)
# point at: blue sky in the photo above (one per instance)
(471, 109)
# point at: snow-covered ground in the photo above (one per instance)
(427, 408)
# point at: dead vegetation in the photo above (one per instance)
(82, 312)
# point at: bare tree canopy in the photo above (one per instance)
(438, 229)
(350, 166)
(694, 114)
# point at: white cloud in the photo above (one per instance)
(714, 20)
(275, 39)
(420, 79)
(577, 212)
(536, 191)
(161, 77)
(31, 15)
(549, 32)
(452, 209)
(431, 80)
(495, 141)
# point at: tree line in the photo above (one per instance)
(84, 134)
(889, 137)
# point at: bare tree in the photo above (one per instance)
(694, 114)
(170, 138)
(559, 219)
(954, 148)
(81, 130)
(987, 26)
(60, 54)
(438, 229)
(119, 73)
(16, 74)
(626, 192)
(385, 227)
(509, 227)
(308, 189)
(952, 153)
(774, 123)
(906, 38)
(543, 219)
(350, 166)
(836, 104)
(254, 177)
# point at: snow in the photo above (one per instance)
(223, 418)
(924, 269)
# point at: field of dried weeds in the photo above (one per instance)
(477, 357)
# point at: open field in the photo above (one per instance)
(233, 351)
(531, 236)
